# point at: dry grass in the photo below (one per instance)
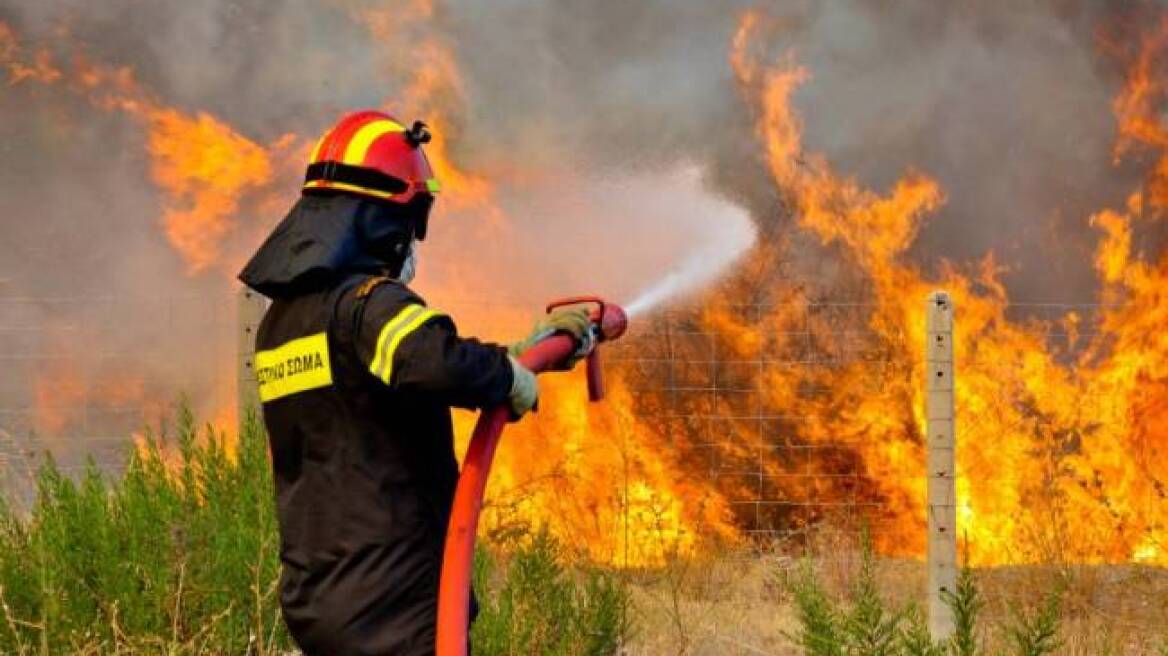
(727, 605)
(740, 603)
(1107, 609)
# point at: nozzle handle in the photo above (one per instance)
(595, 373)
(610, 319)
(577, 300)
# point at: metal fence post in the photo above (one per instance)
(942, 478)
(250, 310)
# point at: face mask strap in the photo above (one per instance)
(409, 267)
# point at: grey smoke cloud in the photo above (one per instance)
(1006, 104)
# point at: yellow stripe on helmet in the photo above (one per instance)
(341, 186)
(319, 145)
(359, 145)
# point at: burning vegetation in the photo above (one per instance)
(1062, 419)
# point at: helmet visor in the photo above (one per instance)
(419, 213)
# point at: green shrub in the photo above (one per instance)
(966, 603)
(182, 554)
(536, 606)
(1036, 633)
(819, 619)
(869, 627)
(914, 636)
(863, 625)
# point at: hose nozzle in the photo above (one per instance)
(609, 319)
(609, 322)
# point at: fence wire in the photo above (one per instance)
(714, 398)
(84, 375)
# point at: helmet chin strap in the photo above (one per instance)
(410, 265)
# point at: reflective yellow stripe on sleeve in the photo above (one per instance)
(395, 330)
(296, 366)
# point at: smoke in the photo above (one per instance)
(581, 115)
(1007, 106)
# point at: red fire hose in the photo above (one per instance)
(608, 322)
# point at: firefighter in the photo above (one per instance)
(357, 376)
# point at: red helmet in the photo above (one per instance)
(371, 154)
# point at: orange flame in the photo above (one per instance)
(39, 69)
(1062, 449)
(1055, 460)
(202, 165)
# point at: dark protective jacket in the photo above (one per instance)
(357, 377)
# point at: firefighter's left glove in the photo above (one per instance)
(574, 321)
(524, 393)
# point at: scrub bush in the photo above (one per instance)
(534, 605)
(179, 554)
(864, 625)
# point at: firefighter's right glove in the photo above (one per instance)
(524, 390)
(574, 321)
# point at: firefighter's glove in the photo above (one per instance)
(574, 321)
(524, 390)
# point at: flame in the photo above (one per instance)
(205, 170)
(1062, 447)
(39, 68)
(1137, 107)
(203, 166)
(598, 477)
(1056, 461)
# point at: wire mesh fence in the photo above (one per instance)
(84, 375)
(797, 416)
(750, 401)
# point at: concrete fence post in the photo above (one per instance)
(249, 310)
(942, 475)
